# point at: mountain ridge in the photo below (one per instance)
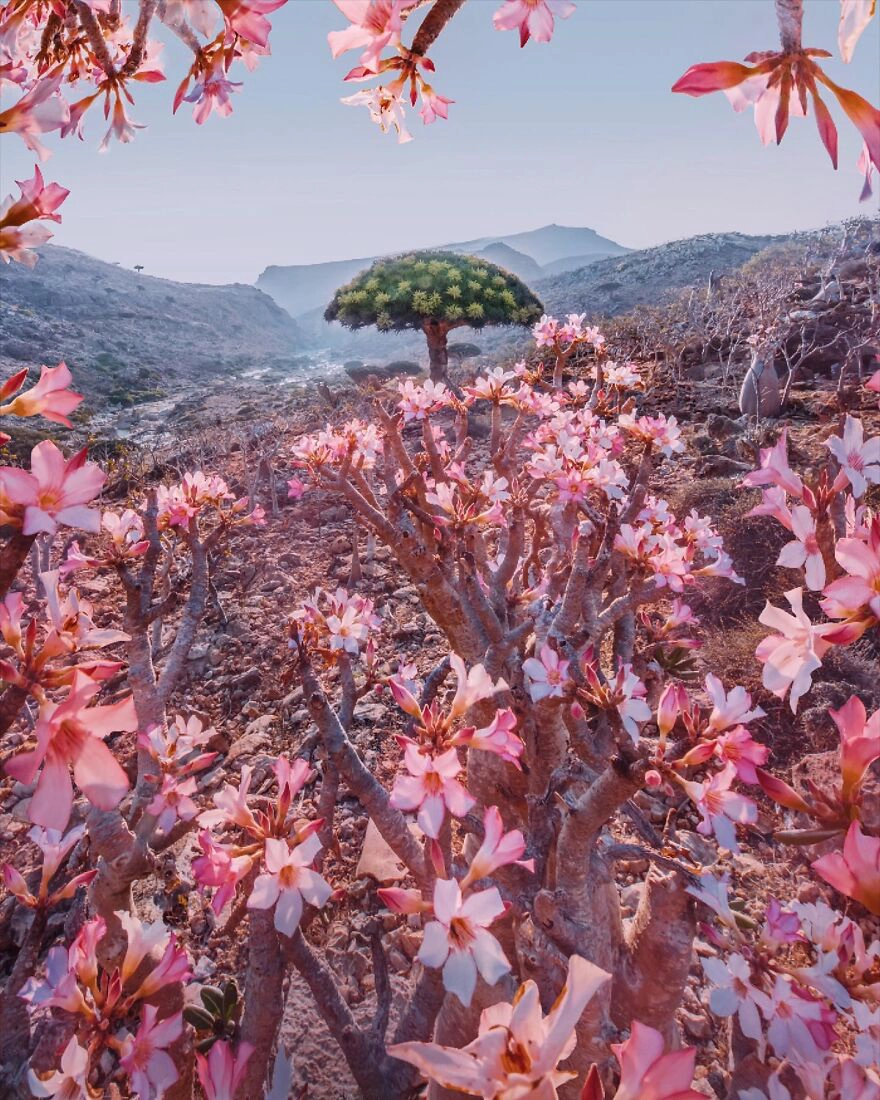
(301, 288)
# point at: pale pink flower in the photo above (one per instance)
(646, 1073)
(855, 15)
(142, 938)
(296, 488)
(289, 880)
(532, 18)
(55, 849)
(547, 677)
(859, 742)
(792, 656)
(417, 402)
(859, 458)
(432, 788)
(497, 850)
(71, 1082)
(546, 330)
(220, 1073)
(631, 704)
(386, 110)
(375, 24)
(720, 807)
(458, 939)
(661, 431)
(733, 992)
(790, 1020)
(773, 503)
(121, 127)
(731, 708)
(803, 551)
(38, 201)
(231, 805)
(473, 686)
(855, 871)
(143, 1057)
(517, 1050)
(17, 242)
(72, 733)
(55, 491)
(774, 468)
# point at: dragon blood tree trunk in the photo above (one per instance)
(438, 357)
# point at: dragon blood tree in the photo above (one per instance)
(434, 292)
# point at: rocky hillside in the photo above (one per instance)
(614, 285)
(131, 337)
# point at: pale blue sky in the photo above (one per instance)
(583, 131)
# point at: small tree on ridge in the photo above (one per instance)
(435, 292)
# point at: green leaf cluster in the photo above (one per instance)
(404, 292)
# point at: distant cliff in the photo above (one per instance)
(129, 337)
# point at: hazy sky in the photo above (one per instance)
(583, 131)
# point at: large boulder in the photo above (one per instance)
(760, 393)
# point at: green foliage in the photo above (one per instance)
(217, 1016)
(404, 292)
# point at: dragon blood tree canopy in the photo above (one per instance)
(434, 292)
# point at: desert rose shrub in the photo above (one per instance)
(559, 579)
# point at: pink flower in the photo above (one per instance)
(54, 491)
(498, 737)
(231, 805)
(212, 93)
(72, 733)
(803, 551)
(517, 1049)
(219, 869)
(548, 677)
(143, 1057)
(221, 1072)
(296, 488)
(173, 801)
(142, 938)
(856, 870)
(738, 746)
(792, 656)
(773, 503)
(546, 330)
(859, 459)
(55, 849)
(38, 201)
(40, 111)
(497, 850)
(458, 938)
(431, 787)
(121, 127)
(859, 592)
(859, 742)
(247, 18)
(434, 105)
(70, 1081)
(673, 702)
(49, 398)
(289, 880)
(532, 18)
(720, 807)
(729, 708)
(173, 967)
(855, 15)
(774, 469)
(646, 1073)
